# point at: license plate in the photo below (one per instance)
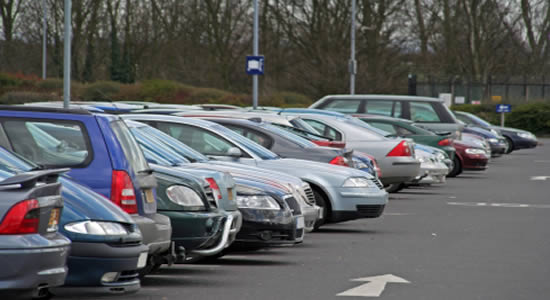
(230, 193)
(300, 222)
(53, 222)
(149, 197)
(142, 260)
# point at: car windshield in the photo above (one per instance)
(292, 137)
(156, 150)
(174, 144)
(15, 161)
(251, 146)
(131, 149)
(479, 120)
(305, 134)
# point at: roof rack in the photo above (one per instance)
(78, 111)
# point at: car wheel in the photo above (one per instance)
(509, 145)
(321, 201)
(395, 187)
(457, 168)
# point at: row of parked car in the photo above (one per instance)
(101, 194)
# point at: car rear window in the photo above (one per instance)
(379, 107)
(52, 143)
(130, 147)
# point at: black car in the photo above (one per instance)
(284, 143)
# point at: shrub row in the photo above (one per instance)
(534, 117)
(14, 89)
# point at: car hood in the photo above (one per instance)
(305, 166)
(509, 129)
(81, 203)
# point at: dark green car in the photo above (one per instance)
(405, 128)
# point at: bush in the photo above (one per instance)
(208, 95)
(160, 90)
(100, 91)
(291, 99)
(25, 97)
(50, 84)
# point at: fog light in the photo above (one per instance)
(265, 235)
(109, 277)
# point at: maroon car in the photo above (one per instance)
(468, 157)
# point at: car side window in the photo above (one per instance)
(423, 112)
(379, 107)
(397, 110)
(324, 130)
(197, 138)
(464, 119)
(384, 126)
(402, 131)
(253, 135)
(344, 105)
(49, 143)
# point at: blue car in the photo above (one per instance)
(102, 154)
(515, 138)
(106, 249)
(498, 143)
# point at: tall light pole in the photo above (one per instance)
(352, 61)
(44, 32)
(255, 52)
(67, 56)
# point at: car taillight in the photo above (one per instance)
(332, 144)
(402, 149)
(122, 192)
(22, 218)
(444, 142)
(215, 188)
(340, 161)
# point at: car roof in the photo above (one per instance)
(383, 97)
(49, 109)
(174, 119)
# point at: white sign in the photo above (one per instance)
(447, 99)
(460, 100)
(374, 287)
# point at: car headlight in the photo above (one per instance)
(96, 228)
(474, 151)
(526, 135)
(495, 132)
(256, 199)
(493, 141)
(440, 156)
(185, 197)
(357, 182)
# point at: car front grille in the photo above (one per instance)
(294, 206)
(210, 197)
(378, 183)
(310, 196)
(126, 276)
(370, 211)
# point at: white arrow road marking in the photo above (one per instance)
(374, 287)
(507, 205)
(540, 178)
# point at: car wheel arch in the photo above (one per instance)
(319, 188)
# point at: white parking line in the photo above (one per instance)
(540, 178)
(505, 205)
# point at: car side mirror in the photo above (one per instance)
(234, 152)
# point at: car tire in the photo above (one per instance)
(321, 201)
(509, 145)
(457, 167)
(395, 187)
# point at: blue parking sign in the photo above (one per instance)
(255, 65)
(504, 108)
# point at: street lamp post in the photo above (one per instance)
(67, 56)
(352, 61)
(44, 32)
(255, 52)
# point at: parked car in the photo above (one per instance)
(469, 156)
(405, 129)
(433, 167)
(394, 156)
(429, 113)
(33, 253)
(284, 143)
(106, 249)
(102, 154)
(164, 149)
(516, 139)
(496, 142)
(343, 193)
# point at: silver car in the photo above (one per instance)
(394, 156)
(344, 193)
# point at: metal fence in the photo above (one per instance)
(514, 91)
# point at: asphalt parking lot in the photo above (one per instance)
(484, 235)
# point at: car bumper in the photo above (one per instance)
(524, 144)
(269, 227)
(398, 169)
(27, 268)
(156, 231)
(311, 215)
(354, 203)
(431, 174)
(475, 162)
(89, 262)
(497, 149)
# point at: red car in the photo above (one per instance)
(468, 157)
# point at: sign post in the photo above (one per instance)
(255, 53)
(502, 109)
(67, 56)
